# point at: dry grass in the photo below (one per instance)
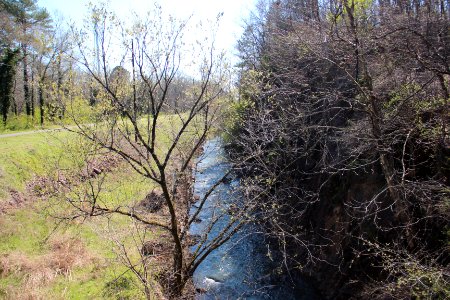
(44, 187)
(63, 256)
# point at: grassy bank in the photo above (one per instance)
(41, 258)
(37, 154)
(72, 261)
(27, 123)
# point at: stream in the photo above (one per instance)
(241, 268)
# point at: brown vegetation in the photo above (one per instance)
(64, 255)
(44, 187)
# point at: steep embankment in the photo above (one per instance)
(42, 257)
(343, 127)
(345, 229)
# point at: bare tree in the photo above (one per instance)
(135, 118)
(337, 117)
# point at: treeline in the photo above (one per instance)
(41, 74)
(33, 51)
(343, 123)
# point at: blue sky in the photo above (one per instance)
(230, 27)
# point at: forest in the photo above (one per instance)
(332, 158)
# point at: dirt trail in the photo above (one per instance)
(13, 134)
(29, 132)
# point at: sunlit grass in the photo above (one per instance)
(38, 154)
(26, 232)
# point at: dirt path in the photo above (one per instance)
(28, 132)
(6, 135)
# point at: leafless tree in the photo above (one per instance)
(339, 107)
(135, 118)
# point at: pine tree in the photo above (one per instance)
(7, 72)
(28, 16)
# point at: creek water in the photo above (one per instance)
(241, 268)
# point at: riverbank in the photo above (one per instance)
(243, 267)
(45, 257)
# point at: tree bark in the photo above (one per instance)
(32, 90)
(134, 88)
(41, 102)
(177, 284)
(26, 89)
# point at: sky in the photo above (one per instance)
(230, 29)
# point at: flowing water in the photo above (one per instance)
(242, 268)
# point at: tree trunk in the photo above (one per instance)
(14, 97)
(444, 117)
(26, 89)
(134, 89)
(60, 74)
(315, 10)
(32, 91)
(41, 102)
(353, 27)
(176, 284)
(386, 161)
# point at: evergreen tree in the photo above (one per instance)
(28, 16)
(7, 72)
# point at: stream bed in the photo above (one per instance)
(242, 268)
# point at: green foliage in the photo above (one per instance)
(21, 122)
(428, 113)
(234, 119)
(362, 6)
(54, 117)
(30, 20)
(120, 288)
(400, 95)
(79, 109)
(26, 11)
(424, 282)
(360, 10)
(250, 84)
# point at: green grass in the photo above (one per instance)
(27, 232)
(27, 123)
(80, 107)
(37, 154)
